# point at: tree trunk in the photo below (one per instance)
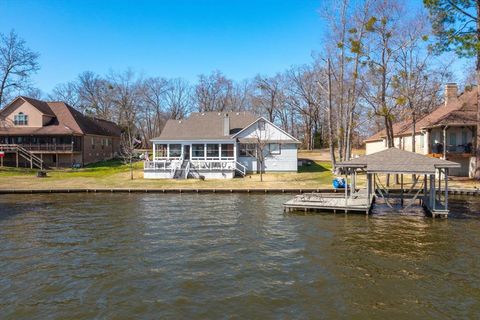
(330, 117)
(131, 169)
(414, 124)
(389, 131)
(477, 69)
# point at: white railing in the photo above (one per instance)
(187, 170)
(240, 168)
(213, 165)
(162, 165)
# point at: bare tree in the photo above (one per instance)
(261, 137)
(152, 114)
(178, 99)
(127, 149)
(269, 97)
(417, 82)
(384, 47)
(126, 98)
(17, 64)
(305, 97)
(95, 95)
(66, 92)
(213, 92)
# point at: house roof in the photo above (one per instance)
(205, 126)
(42, 106)
(461, 112)
(394, 160)
(65, 120)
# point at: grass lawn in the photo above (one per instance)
(114, 174)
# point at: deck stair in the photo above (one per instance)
(240, 169)
(24, 153)
(182, 172)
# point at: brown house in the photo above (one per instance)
(36, 133)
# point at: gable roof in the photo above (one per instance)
(42, 106)
(460, 112)
(65, 120)
(253, 140)
(394, 160)
(205, 126)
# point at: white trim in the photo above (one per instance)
(275, 126)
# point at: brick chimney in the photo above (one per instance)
(451, 93)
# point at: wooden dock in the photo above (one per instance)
(356, 202)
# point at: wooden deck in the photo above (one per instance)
(357, 202)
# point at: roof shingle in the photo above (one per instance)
(459, 112)
(206, 125)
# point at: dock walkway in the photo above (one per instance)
(358, 201)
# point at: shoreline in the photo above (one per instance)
(452, 191)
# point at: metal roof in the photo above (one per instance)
(394, 160)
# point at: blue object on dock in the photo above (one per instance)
(339, 183)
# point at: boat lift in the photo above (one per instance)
(426, 174)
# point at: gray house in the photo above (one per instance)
(220, 145)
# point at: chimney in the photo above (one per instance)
(451, 92)
(226, 125)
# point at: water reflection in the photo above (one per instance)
(215, 256)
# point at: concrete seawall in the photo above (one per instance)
(453, 191)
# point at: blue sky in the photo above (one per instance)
(177, 38)
(164, 38)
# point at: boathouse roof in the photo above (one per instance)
(394, 160)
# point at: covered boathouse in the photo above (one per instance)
(427, 177)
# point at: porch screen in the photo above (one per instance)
(175, 150)
(227, 150)
(161, 151)
(212, 151)
(453, 139)
(198, 150)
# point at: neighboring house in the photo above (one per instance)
(448, 132)
(219, 145)
(53, 134)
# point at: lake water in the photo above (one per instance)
(208, 256)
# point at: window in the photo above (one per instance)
(198, 150)
(247, 149)
(227, 151)
(453, 139)
(161, 151)
(275, 148)
(212, 150)
(175, 151)
(93, 143)
(464, 137)
(20, 119)
(422, 141)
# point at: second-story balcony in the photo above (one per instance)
(46, 147)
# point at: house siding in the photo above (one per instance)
(286, 161)
(35, 117)
(97, 152)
